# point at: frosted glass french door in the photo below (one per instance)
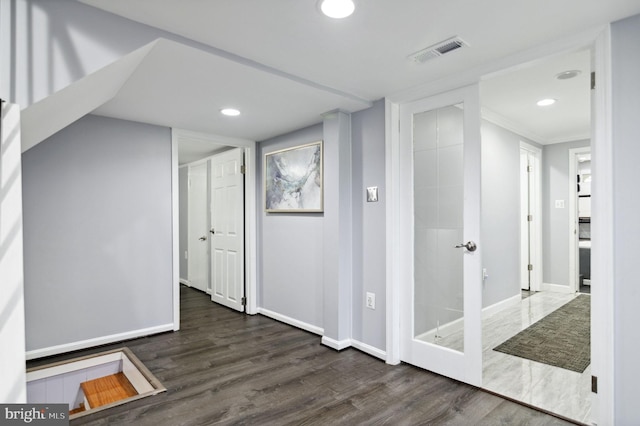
(441, 295)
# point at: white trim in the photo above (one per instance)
(291, 321)
(185, 282)
(250, 207)
(501, 121)
(12, 326)
(338, 345)
(368, 349)
(392, 179)
(83, 344)
(574, 272)
(175, 228)
(458, 325)
(602, 302)
(135, 377)
(68, 367)
(502, 305)
(557, 288)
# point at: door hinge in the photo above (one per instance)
(529, 169)
(244, 301)
(593, 80)
(243, 169)
(530, 218)
(594, 384)
(530, 267)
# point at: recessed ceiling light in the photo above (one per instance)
(230, 112)
(566, 75)
(337, 9)
(546, 102)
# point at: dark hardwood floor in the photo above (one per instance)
(223, 367)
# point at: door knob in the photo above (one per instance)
(213, 231)
(471, 246)
(203, 238)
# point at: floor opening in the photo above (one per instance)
(92, 383)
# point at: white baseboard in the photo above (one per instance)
(185, 282)
(442, 330)
(291, 321)
(557, 288)
(457, 325)
(504, 304)
(338, 345)
(378, 353)
(89, 343)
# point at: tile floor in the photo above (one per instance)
(554, 389)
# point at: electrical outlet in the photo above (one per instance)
(370, 300)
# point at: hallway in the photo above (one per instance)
(555, 389)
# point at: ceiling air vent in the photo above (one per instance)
(438, 49)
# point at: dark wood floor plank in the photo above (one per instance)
(227, 368)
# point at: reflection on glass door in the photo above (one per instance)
(438, 144)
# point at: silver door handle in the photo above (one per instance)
(471, 246)
(203, 238)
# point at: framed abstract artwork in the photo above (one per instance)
(293, 180)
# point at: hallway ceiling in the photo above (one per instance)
(289, 63)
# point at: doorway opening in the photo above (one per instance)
(217, 218)
(540, 144)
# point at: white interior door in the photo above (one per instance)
(525, 227)
(198, 240)
(227, 229)
(441, 302)
(530, 218)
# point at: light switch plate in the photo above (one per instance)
(372, 194)
(370, 300)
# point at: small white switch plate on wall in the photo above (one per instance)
(372, 194)
(370, 300)
(559, 204)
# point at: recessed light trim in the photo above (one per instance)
(337, 9)
(230, 112)
(566, 75)
(546, 102)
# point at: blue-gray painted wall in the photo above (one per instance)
(97, 232)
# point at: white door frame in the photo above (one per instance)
(535, 236)
(250, 215)
(574, 265)
(602, 266)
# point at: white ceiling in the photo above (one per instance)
(510, 99)
(284, 64)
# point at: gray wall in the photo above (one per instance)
(290, 247)
(625, 67)
(369, 224)
(183, 179)
(555, 222)
(500, 227)
(97, 232)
